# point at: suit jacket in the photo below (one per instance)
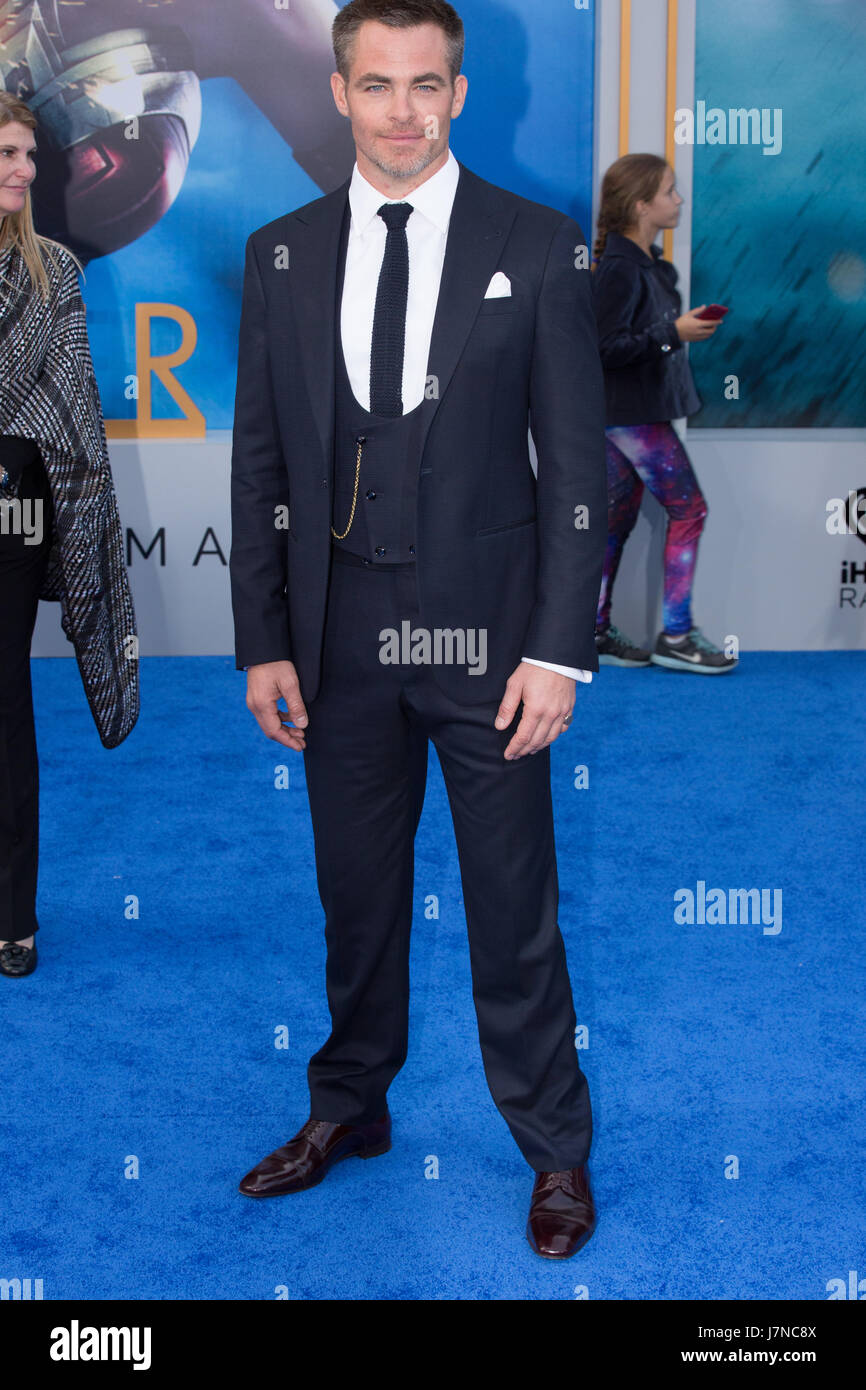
(49, 395)
(497, 549)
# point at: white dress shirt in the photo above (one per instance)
(426, 233)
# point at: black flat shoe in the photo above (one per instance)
(16, 959)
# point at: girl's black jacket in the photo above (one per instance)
(647, 377)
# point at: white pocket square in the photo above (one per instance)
(499, 287)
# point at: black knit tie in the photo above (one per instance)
(389, 319)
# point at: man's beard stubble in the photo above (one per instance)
(405, 171)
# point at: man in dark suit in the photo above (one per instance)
(399, 573)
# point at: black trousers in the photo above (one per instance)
(366, 762)
(22, 569)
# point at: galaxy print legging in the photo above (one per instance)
(652, 456)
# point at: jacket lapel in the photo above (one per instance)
(477, 231)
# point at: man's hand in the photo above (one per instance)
(547, 699)
(265, 684)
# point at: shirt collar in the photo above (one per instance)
(434, 199)
(617, 245)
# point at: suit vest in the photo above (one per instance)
(382, 529)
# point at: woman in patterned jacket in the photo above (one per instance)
(60, 534)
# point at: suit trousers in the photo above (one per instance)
(22, 570)
(366, 764)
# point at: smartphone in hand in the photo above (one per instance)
(712, 311)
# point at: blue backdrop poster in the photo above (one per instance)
(237, 125)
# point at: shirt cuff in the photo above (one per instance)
(576, 675)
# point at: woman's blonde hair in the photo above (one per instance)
(16, 228)
(632, 179)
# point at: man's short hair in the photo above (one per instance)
(399, 14)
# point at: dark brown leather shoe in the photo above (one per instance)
(561, 1213)
(307, 1158)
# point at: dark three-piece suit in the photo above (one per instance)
(451, 532)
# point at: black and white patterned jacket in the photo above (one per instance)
(48, 393)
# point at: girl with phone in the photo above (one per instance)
(648, 383)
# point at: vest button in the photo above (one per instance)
(361, 439)
(411, 550)
(370, 495)
(380, 550)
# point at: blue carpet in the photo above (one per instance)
(150, 1040)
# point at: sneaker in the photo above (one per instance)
(694, 654)
(614, 649)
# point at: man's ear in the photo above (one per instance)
(460, 88)
(338, 88)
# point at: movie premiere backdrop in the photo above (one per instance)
(171, 129)
(781, 235)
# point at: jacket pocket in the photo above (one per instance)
(499, 304)
(507, 526)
